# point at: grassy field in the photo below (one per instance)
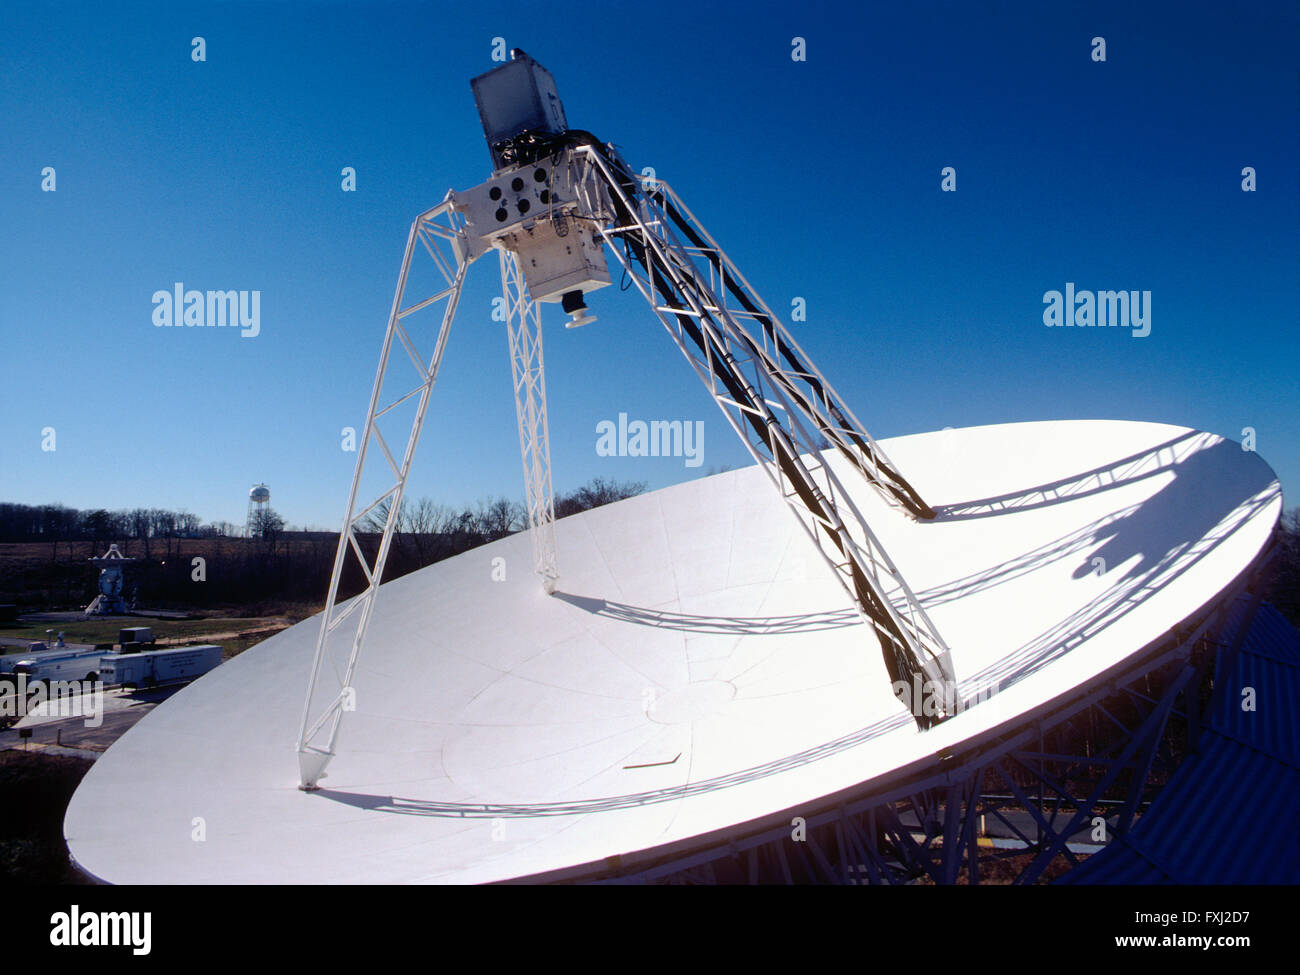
(235, 634)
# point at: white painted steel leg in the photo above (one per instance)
(438, 233)
(757, 402)
(524, 324)
(807, 389)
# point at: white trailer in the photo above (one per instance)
(152, 667)
(38, 651)
(68, 665)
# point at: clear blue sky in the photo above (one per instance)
(821, 178)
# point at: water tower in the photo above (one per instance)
(259, 498)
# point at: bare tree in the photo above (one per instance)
(141, 525)
(164, 526)
(593, 494)
(499, 517)
(99, 525)
(426, 522)
(267, 525)
(378, 518)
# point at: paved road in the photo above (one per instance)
(121, 710)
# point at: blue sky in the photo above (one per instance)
(821, 178)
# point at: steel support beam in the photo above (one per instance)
(784, 416)
(438, 234)
(524, 325)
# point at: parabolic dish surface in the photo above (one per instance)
(699, 668)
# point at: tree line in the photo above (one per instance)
(273, 567)
(282, 565)
(55, 523)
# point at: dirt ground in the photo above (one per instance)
(34, 793)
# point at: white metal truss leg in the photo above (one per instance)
(438, 233)
(807, 389)
(740, 377)
(524, 324)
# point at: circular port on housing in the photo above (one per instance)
(516, 184)
(545, 196)
(501, 215)
(523, 206)
(539, 175)
(495, 193)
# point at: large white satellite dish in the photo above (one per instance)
(692, 674)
